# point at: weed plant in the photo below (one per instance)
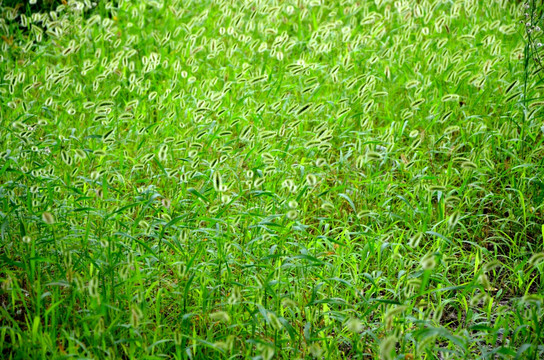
(271, 180)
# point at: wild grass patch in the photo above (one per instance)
(249, 179)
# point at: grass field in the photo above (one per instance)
(271, 180)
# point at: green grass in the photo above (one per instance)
(271, 179)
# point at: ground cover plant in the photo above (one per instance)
(271, 180)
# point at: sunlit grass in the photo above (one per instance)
(271, 179)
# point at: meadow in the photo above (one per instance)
(298, 179)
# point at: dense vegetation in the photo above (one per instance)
(271, 179)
